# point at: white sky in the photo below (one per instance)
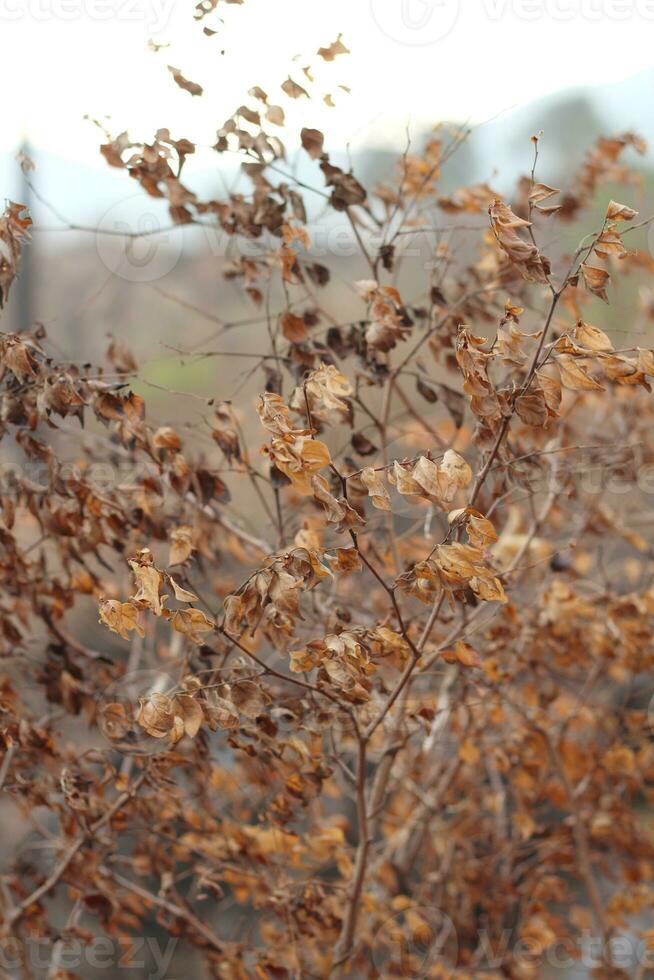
(59, 60)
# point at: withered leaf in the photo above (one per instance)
(293, 90)
(294, 328)
(541, 192)
(149, 581)
(248, 698)
(575, 376)
(120, 617)
(619, 212)
(192, 623)
(312, 141)
(191, 87)
(590, 337)
(181, 544)
(182, 595)
(595, 280)
(335, 48)
(379, 496)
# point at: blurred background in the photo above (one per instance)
(574, 69)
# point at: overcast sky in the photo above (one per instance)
(412, 61)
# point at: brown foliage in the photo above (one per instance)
(410, 686)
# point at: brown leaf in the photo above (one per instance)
(335, 48)
(189, 710)
(379, 496)
(293, 90)
(532, 409)
(149, 581)
(120, 617)
(275, 115)
(312, 141)
(14, 233)
(595, 280)
(248, 699)
(166, 438)
(294, 328)
(575, 376)
(590, 337)
(192, 623)
(462, 654)
(345, 560)
(192, 87)
(181, 544)
(182, 595)
(541, 192)
(156, 715)
(338, 512)
(619, 212)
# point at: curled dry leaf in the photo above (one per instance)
(166, 438)
(192, 623)
(163, 716)
(248, 698)
(294, 328)
(313, 141)
(344, 560)
(293, 90)
(337, 511)
(595, 280)
(438, 482)
(462, 654)
(590, 337)
(574, 374)
(181, 544)
(327, 391)
(120, 617)
(335, 48)
(149, 581)
(541, 192)
(619, 212)
(182, 595)
(522, 252)
(14, 233)
(156, 715)
(184, 83)
(372, 481)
